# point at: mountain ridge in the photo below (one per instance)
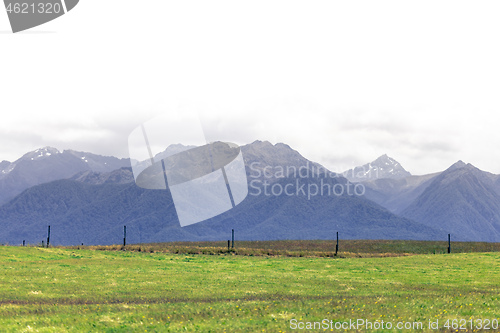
(463, 200)
(381, 168)
(95, 214)
(48, 164)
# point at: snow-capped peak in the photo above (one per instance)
(382, 167)
(42, 152)
(39, 153)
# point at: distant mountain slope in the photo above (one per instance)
(462, 201)
(83, 213)
(397, 194)
(48, 164)
(120, 176)
(95, 214)
(264, 160)
(382, 167)
(295, 217)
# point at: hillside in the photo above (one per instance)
(463, 201)
(95, 214)
(48, 164)
(397, 194)
(263, 160)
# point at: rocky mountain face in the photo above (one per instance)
(397, 194)
(265, 161)
(49, 164)
(383, 167)
(463, 201)
(120, 176)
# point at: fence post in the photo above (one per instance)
(124, 235)
(232, 237)
(48, 237)
(43, 244)
(228, 244)
(449, 243)
(24, 242)
(337, 246)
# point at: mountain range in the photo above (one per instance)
(48, 164)
(463, 199)
(95, 214)
(87, 198)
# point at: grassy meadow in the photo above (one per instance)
(308, 248)
(90, 290)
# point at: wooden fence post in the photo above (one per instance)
(337, 246)
(449, 243)
(232, 237)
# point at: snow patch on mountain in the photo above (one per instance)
(382, 167)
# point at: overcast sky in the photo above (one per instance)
(343, 82)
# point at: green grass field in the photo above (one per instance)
(309, 248)
(82, 290)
